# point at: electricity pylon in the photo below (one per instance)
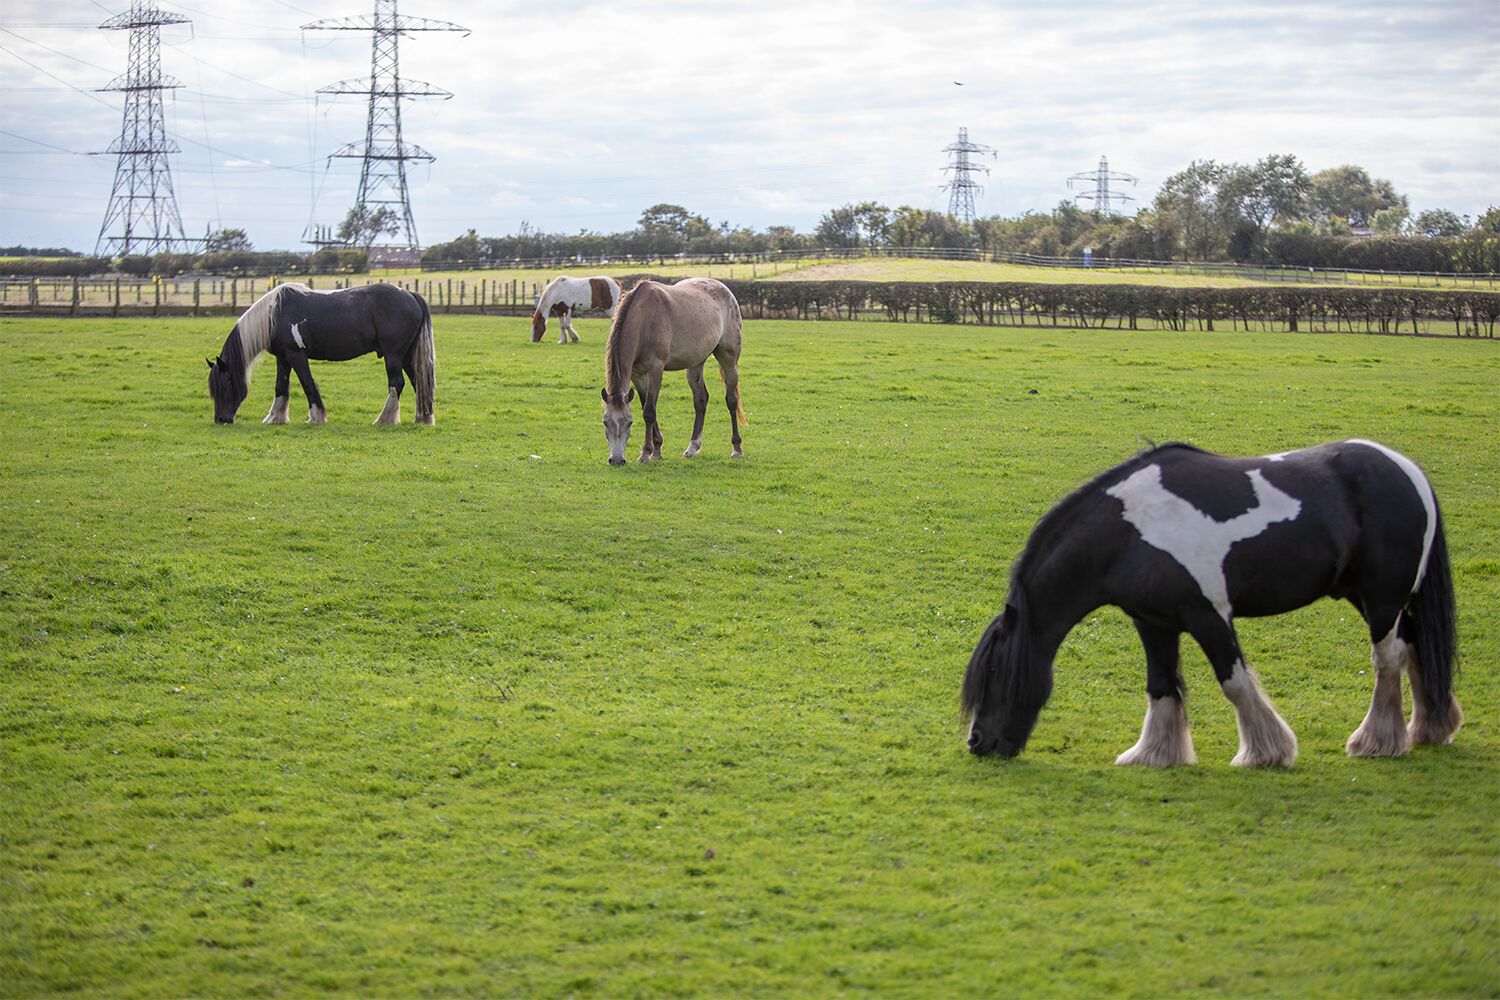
(1102, 197)
(961, 187)
(142, 199)
(383, 153)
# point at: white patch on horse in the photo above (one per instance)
(1424, 493)
(297, 336)
(1199, 543)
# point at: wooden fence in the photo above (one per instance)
(208, 296)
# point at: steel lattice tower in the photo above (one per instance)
(142, 197)
(1102, 197)
(383, 153)
(961, 187)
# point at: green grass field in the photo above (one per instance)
(462, 710)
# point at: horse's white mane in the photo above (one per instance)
(257, 323)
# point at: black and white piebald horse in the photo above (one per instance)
(297, 325)
(1183, 540)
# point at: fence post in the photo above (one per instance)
(33, 292)
(73, 306)
(234, 294)
(448, 298)
(197, 283)
(156, 306)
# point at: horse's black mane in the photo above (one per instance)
(231, 367)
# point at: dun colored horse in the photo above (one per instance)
(661, 328)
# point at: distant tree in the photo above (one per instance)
(1479, 248)
(1438, 222)
(1390, 221)
(1272, 191)
(227, 241)
(362, 227)
(465, 247)
(839, 227)
(1350, 194)
(1190, 214)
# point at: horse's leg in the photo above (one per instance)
(568, 323)
(729, 369)
(316, 414)
(655, 426)
(392, 412)
(1383, 733)
(1165, 739)
(562, 327)
(643, 389)
(283, 400)
(1422, 731)
(700, 408)
(1265, 738)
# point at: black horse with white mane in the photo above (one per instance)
(296, 325)
(1183, 540)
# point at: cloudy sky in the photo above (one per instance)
(576, 115)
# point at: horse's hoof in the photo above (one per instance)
(429, 421)
(692, 450)
(317, 416)
(736, 454)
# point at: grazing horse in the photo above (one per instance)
(670, 328)
(296, 325)
(564, 296)
(1183, 540)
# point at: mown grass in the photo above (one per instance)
(464, 710)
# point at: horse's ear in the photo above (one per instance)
(630, 394)
(604, 394)
(210, 362)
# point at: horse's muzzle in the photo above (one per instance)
(223, 420)
(617, 461)
(979, 746)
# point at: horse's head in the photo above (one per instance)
(227, 388)
(1005, 687)
(617, 422)
(538, 325)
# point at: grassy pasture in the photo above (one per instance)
(464, 710)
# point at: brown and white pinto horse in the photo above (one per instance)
(670, 328)
(564, 296)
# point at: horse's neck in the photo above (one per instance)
(1061, 587)
(554, 292)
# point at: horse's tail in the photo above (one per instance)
(424, 366)
(739, 402)
(1431, 622)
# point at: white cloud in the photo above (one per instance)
(578, 115)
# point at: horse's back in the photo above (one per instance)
(1350, 514)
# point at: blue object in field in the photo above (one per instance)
(1088, 256)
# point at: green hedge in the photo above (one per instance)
(1017, 303)
(55, 267)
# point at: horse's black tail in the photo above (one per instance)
(1432, 628)
(424, 366)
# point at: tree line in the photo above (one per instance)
(1269, 212)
